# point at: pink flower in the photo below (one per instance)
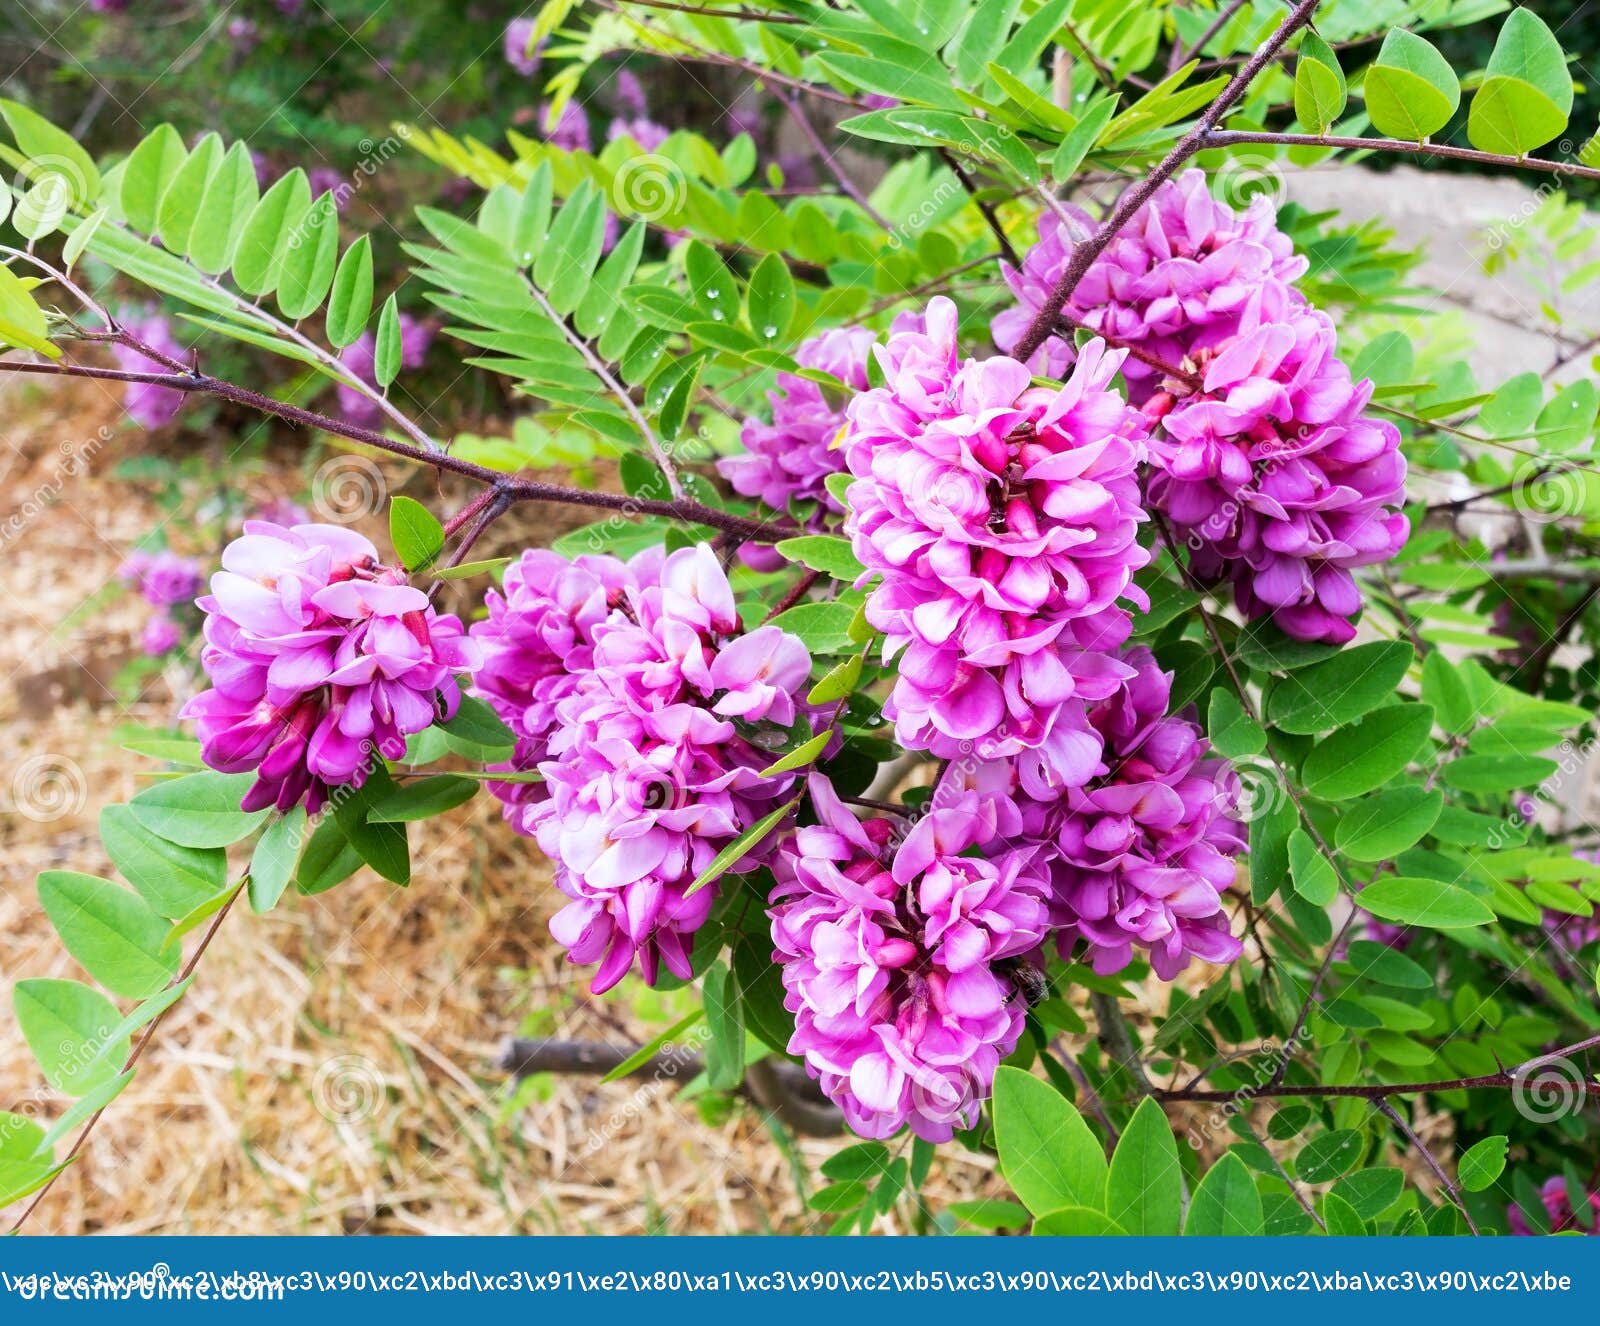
(519, 34)
(1557, 1201)
(1002, 518)
(320, 660)
(790, 459)
(161, 635)
(650, 715)
(898, 960)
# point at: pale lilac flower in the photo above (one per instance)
(570, 130)
(149, 404)
(321, 660)
(519, 33)
(895, 960)
(644, 131)
(161, 635)
(628, 94)
(789, 460)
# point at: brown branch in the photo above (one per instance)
(1083, 255)
(1438, 1170)
(1444, 151)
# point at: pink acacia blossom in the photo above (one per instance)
(1002, 518)
(320, 658)
(1273, 474)
(1174, 280)
(518, 37)
(643, 703)
(789, 460)
(1556, 1199)
(894, 960)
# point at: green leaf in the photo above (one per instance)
(839, 682)
(171, 878)
(1425, 902)
(71, 1031)
(225, 205)
(327, 859)
(309, 260)
(1078, 1222)
(1081, 139)
(198, 810)
(725, 1021)
(648, 1051)
(1047, 1152)
(416, 533)
(1526, 94)
(1232, 731)
(466, 570)
(1384, 825)
(258, 257)
(476, 727)
(1342, 1219)
(1370, 1192)
(740, 846)
(824, 628)
(770, 299)
(387, 347)
(800, 756)
(200, 915)
(827, 553)
(114, 934)
(1319, 86)
(1381, 963)
(78, 241)
(383, 846)
(1357, 759)
(350, 305)
(1226, 1201)
(52, 152)
(1410, 90)
(22, 321)
(272, 863)
(1482, 1163)
(1339, 691)
(1313, 874)
(1330, 1155)
(423, 798)
(148, 170)
(1497, 773)
(990, 1213)
(1144, 1191)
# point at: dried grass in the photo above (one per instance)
(332, 1069)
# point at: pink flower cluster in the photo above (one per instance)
(789, 460)
(1003, 520)
(650, 713)
(321, 660)
(1557, 1203)
(164, 580)
(906, 965)
(1266, 462)
(894, 959)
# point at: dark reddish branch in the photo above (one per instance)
(1084, 254)
(511, 489)
(1228, 137)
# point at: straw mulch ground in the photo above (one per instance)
(332, 1070)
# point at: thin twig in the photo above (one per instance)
(1083, 255)
(1450, 1189)
(830, 164)
(1444, 151)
